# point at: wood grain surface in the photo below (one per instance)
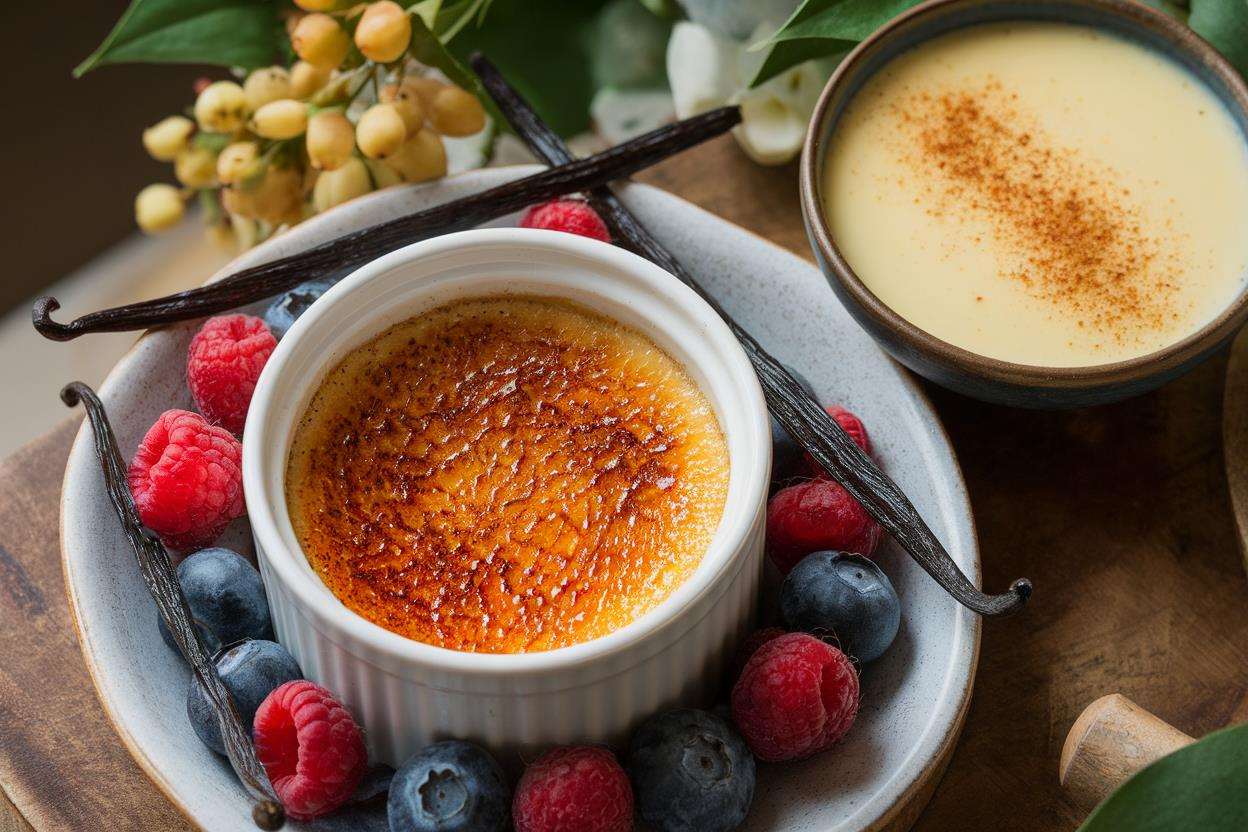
(1235, 434)
(1119, 514)
(61, 765)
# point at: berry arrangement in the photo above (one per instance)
(351, 115)
(187, 479)
(571, 215)
(794, 693)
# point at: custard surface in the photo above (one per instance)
(506, 475)
(1042, 193)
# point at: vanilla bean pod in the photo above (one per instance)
(162, 583)
(792, 406)
(356, 248)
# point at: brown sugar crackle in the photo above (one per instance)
(506, 475)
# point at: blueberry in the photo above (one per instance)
(366, 811)
(226, 597)
(786, 454)
(363, 817)
(450, 786)
(691, 772)
(282, 313)
(251, 670)
(847, 595)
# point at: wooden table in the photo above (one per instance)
(1119, 514)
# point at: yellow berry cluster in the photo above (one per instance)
(291, 142)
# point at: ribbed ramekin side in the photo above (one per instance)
(401, 713)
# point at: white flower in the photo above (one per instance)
(703, 69)
(622, 114)
(707, 71)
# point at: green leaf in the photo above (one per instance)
(450, 20)
(223, 32)
(216, 142)
(789, 53)
(210, 205)
(1177, 9)
(1197, 787)
(825, 27)
(840, 19)
(430, 51)
(1224, 23)
(820, 28)
(542, 46)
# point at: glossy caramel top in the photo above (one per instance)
(506, 475)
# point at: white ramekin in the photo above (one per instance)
(406, 693)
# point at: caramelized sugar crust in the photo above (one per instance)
(506, 475)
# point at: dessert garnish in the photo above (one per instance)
(311, 748)
(796, 697)
(691, 772)
(226, 598)
(845, 594)
(358, 247)
(574, 787)
(796, 410)
(817, 514)
(186, 479)
(574, 216)
(157, 569)
(223, 365)
(251, 669)
(786, 454)
(450, 786)
(282, 313)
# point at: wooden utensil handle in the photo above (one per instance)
(1111, 740)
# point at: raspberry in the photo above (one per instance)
(574, 789)
(223, 365)
(310, 747)
(816, 515)
(796, 696)
(187, 480)
(852, 425)
(750, 646)
(849, 423)
(570, 215)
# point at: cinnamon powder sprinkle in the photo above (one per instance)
(1079, 243)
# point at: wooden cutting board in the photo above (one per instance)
(1120, 515)
(61, 765)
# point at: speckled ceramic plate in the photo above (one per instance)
(913, 699)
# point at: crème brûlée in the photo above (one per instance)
(506, 475)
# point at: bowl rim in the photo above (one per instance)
(958, 359)
(725, 554)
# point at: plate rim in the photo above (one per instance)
(931, 770)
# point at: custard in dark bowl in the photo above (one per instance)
(1040, 204)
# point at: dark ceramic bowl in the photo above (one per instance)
(959, 369)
